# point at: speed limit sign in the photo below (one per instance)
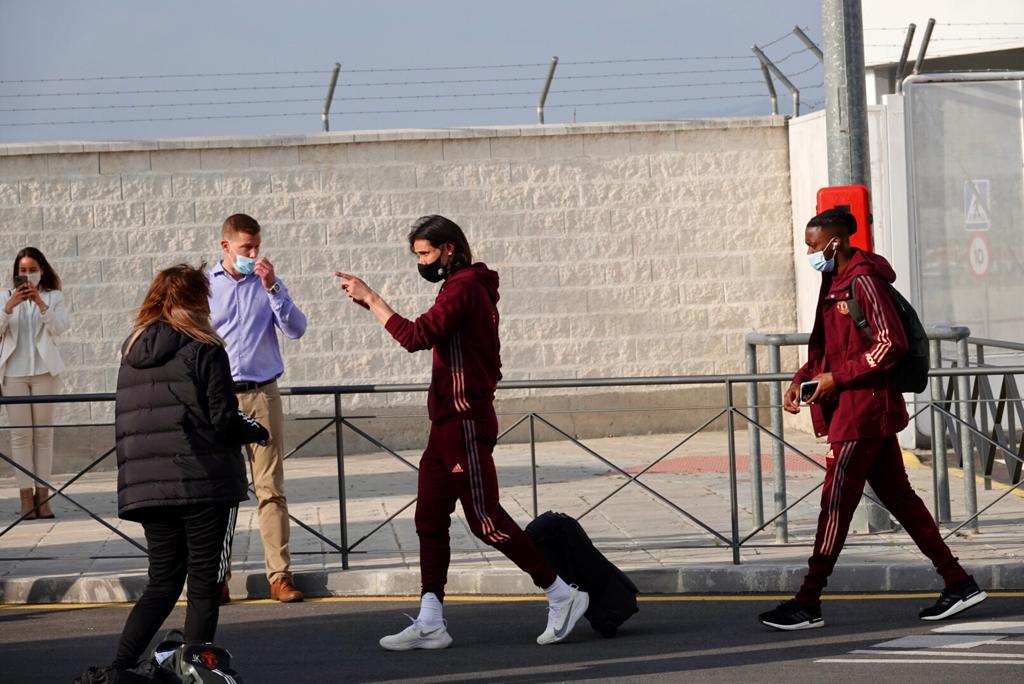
(980, 256)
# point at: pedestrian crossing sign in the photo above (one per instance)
(977, 204)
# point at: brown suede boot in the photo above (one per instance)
(43, 509)
(28, 504)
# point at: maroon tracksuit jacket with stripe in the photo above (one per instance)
(457, 465)
(868, 404)
(462, 329)
(861, 423)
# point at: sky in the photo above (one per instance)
(482, 63)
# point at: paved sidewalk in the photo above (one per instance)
(74, 559)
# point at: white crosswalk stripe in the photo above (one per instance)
(971, 643)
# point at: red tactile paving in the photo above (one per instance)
(720, 464)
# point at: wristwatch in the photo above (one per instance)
(274, 289)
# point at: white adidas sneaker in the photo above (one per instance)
(417, 635)
(563, 617)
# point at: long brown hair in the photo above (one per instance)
(48, 280)
(179, 296)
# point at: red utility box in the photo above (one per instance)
(853, 198)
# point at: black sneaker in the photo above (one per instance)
(792, 615)
(955, 599)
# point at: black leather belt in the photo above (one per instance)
(251, 385)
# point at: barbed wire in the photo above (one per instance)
(706, 65)
(803, 71)
(433, 96)
(989, 39)
(792, 54)
(948, 23)
(386, 111)
(375, 70)
(949, 38)
(781, 38)
(380, 84)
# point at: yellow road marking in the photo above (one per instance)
(995, 483)
(522, 599)
(911, 460)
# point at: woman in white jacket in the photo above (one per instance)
(31, 317)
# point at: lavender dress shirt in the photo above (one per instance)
(244, 314)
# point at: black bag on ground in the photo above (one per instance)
(146, 672)
(563, 542)
(195, 662)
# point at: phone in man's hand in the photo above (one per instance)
(807, 389)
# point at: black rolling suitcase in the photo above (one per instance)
(566, 546)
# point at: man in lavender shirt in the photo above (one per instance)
(247, 302)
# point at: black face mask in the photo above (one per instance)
(433, 272)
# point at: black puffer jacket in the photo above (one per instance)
(179, 430)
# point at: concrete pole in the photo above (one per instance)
(846, 125)
(846, 110)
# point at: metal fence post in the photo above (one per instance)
(339, 454)
(733, 498)
(811, 45)
(325, 115)
(777, 73)
(754, 441)
(940, 475)
(533, 465)
(919, 63)
(966, 447)
(778, 448)
(983, 408)
(901, 68)
(773, 98)
(547, 87)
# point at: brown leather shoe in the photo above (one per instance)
(284, 590)
(225, 594)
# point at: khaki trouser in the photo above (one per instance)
(31, 447)
(267, 463)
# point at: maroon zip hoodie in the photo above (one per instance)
(868, 404)
(462, 329)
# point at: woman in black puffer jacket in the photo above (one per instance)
(179, 460)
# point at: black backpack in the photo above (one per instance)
(910, 374)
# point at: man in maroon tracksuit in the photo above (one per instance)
(462, 330)
(859, 408)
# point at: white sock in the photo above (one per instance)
(559, 592)
(431, 610)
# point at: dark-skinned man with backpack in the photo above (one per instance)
(858, 404)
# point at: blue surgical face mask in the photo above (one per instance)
(820, 263)
(244, 264)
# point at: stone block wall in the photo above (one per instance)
(624, 249)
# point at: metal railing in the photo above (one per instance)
(951, 408)
(965, 413)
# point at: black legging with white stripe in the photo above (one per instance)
(190, 541)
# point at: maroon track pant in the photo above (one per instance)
(457, 466)
(879, 462)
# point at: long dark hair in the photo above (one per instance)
(439, 231)
(49, 280)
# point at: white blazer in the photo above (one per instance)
(54, 323)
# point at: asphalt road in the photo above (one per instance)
(672, 639)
